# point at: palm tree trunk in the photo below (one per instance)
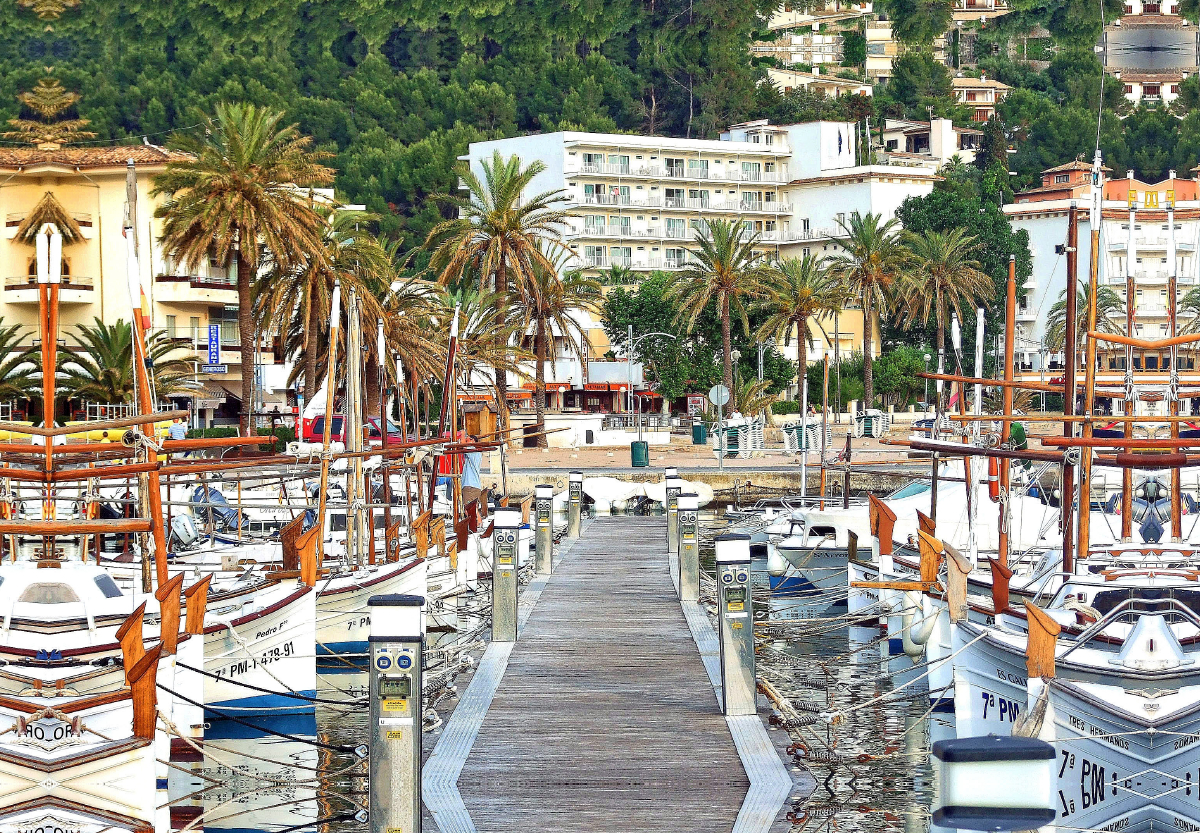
(371, 381)
(868, 374)
(539, 376)
(501, 374)
(941, 348)
(802, 357)
(245, 274)
(311, 338)
(727, 351)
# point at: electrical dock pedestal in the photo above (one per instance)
(674, 485)
(604, 715)
(506, 528)
(574, 504)
(396, 648)
(689, 548)
(736, 616)
(543, 508)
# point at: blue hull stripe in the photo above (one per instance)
(263, 704)
(331, 648)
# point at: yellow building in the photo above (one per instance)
(83, 188)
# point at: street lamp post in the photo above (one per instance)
(927, 358)
(633, 343)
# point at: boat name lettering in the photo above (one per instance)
(270, 630)
(1100, 734)
(42, 828)
(50, 730)
(1009, 677)
(1184, 824)
(361, 622)
(1188, 740)
(1119, 824)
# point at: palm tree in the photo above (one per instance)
(495, 237)
(244, 194)
(870, 261)
(547, 305)
(800, 289)
(727, 271)
(750, 396)
(100, 368)
(1188, 308)
(296, 301)
(20, 377)
(942, 275)
(1110, 316)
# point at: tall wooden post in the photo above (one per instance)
(1010, 343)
(1070, 345)
(1130, 315)
(335, 316)
(1089, 370)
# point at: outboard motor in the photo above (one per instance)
(183, 529)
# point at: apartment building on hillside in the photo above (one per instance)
(831, 85)
(981, 94)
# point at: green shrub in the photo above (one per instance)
(786, 406)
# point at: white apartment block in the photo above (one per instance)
(639, 201)
(981, 10)
(1140, 247)
(785, 18)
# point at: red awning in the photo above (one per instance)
(519, 394)
(532, 386)
(597, 386)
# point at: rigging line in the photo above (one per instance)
(289, 693)
(1100, 109)
(343, 748)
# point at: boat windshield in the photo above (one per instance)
(914, 488)
(1147, 599)
(48, 593)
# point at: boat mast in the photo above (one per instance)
(1070, 347)
(49, 271)
(1172, 311)
(356, 529)
(335, 317)
(141, 373)
(1130, 314)
(1010, 326)
(1089, 370)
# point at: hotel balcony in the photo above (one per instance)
(694, 174)
(216, 288)
(73, 289)
(685, 204)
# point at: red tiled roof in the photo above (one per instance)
(102, 156)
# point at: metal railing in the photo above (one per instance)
(67, 281)
(687, 173)
(229, 280)
(650, 422)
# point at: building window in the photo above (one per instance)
(1061, 178)
(621, 256)
(675, 258)
(677, 228)
(618, 164)
(170, 326)
(593, 163)
(675, 198)
(675, 167)
(698, 168)
(751, 171)
(699, 197)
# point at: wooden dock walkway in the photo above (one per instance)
(602, 716)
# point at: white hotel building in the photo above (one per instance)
(639, 201)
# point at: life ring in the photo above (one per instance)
(993, 479)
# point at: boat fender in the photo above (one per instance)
(993, 479)
(915, 632)
(776, 564)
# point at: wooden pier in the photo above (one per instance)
(602, 716)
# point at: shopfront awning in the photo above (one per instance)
(550, 386)
(520, 394)
(596, 386)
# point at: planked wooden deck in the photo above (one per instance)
(605, 719)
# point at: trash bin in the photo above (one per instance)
(639, 453)
(699, 433)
